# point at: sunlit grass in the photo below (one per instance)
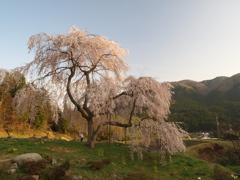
(183, 166)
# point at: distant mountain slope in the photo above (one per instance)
(221, 83)
(215, 83)
(197, 86)
(198, 104)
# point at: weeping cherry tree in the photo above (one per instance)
(88, 70)
(147, 102)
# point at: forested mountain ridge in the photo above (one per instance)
(199, 105)
(221, 83)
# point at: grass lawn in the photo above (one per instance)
(120, 164)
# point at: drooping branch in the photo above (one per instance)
(132, 111)
(52, 73)
(115, 123)
(112, 123)
(123, 93)
(72, 70)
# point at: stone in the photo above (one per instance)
(113, 164)
(76, 177)
(54, 161)
(11, 171)
(35, 177)
(14, 166)
(25, 158)
(5, 160)
(10, 137)
(115, 176)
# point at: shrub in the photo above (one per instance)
(98, 165)
(138, 175)
(106, 161)
(34, 168)
(102, 136)
(95, 165)
(60, 172)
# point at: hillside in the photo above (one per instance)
(198, 105)
(220, 83)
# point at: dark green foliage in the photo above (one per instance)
(62, 125)
(16, 81)
(41, 118)
(236, 169)
(198, 112)
(230, 136)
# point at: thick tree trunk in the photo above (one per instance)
(92, 135)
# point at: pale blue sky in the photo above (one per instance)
(170, 40)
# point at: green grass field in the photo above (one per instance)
(183, 166)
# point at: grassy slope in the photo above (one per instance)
(182, 166)
(37, 133)
(223, 153)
